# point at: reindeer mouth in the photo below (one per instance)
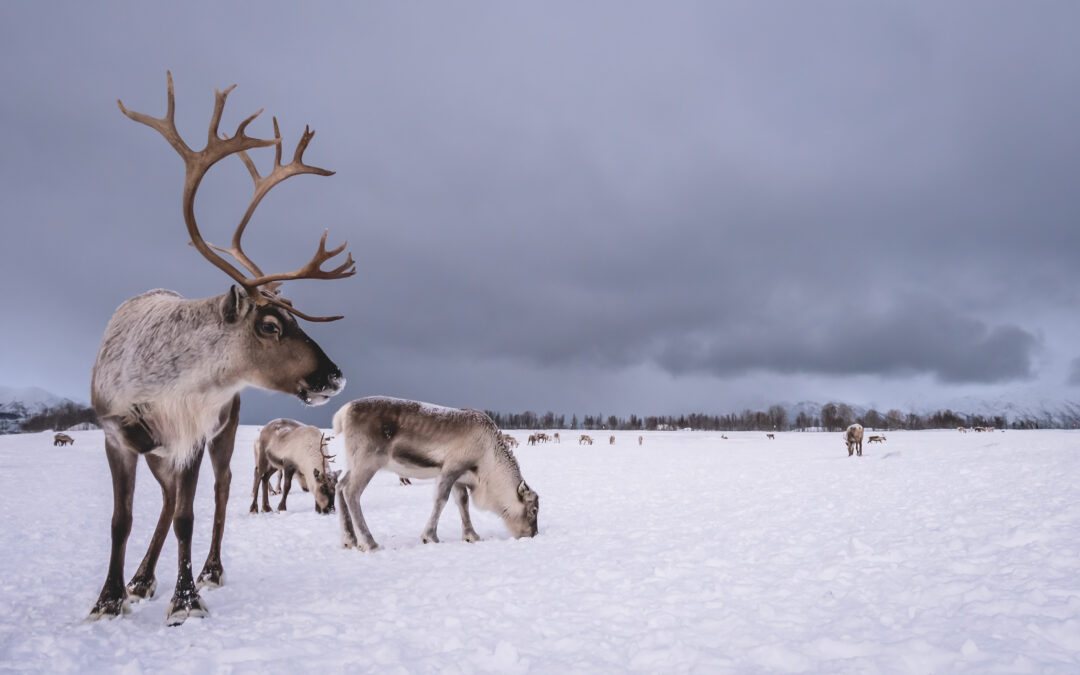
(312, 398)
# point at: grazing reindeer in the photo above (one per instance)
(63, 439)
(962, 430)
(510, 440)
(640, 440)
(556, 438)
(293, 448)
(611, 441)
(875, 439)
(723, 437)
(584, 439)
(853, 438)
(169, 372)
(462, 448)
(771, 437)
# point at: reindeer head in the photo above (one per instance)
(325, 489)
(280, 356)
(521, 516)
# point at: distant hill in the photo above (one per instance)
(18, 405)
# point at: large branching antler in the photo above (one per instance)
(262, 288)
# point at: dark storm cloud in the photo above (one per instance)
(714, 189)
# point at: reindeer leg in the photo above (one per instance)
(266, 490)
(461, 496)
(442, 493)
(255, 489)
(221, 450)
(277, 490)
(144, 583)
(349, 489)
(185, 601)
(111, 601)
(288, 485)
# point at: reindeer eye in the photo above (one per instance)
(269, 327)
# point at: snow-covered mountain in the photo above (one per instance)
(18, 404)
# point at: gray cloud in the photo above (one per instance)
(689, 190)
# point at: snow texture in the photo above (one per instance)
(935, 552)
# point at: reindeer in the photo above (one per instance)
(723, 437)
(585, 440)
(611, 440)
(463, 449)
(853, 438)
(63, 439)
(771, 437)
(168, 375)
(875, 439)
(293, 448)
(640, 440)
(510, 440)
(555, 437)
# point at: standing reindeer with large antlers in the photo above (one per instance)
(168, 375)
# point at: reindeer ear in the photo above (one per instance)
(317, 474)
(232, 304)
(523, 490)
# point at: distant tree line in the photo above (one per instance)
(59, 417)
(833, 417)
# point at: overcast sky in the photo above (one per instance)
(581, 207)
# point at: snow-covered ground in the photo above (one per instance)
(935, 552)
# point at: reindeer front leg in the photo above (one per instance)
(144, 583)
(111, 601)
(461, 496)
(221, 450)
(442, 493)
(185, 601)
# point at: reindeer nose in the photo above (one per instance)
(336, 379)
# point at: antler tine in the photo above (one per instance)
(219, 146)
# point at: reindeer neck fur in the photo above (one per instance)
(165, 364)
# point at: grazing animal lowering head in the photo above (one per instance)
(325, 489)
(521, 518)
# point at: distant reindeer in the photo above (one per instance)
(611, 441)
(640, 440)
(771, 437)
(510, 440)
(585, 440)
(169, 372)
(463, 449)
(723, 437)
(556, 438)
(293, 448)
(853, 438)
(962, 430)
(63, 439)
(876, 439)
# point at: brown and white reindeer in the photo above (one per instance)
(170, 370)
(585, 440)
(63, 439)
(875, 439)
(462, 449)
(293, 448)
(853, 439)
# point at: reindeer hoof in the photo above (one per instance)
(183, 608)
(267, 509)
(141, 588)
(211, 577)
(367, 548)
(109, 609)
(430, 538)
(470, 537)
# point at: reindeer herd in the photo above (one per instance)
(166, 386)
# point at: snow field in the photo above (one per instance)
(934, 552)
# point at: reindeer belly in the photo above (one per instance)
(413, 464)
